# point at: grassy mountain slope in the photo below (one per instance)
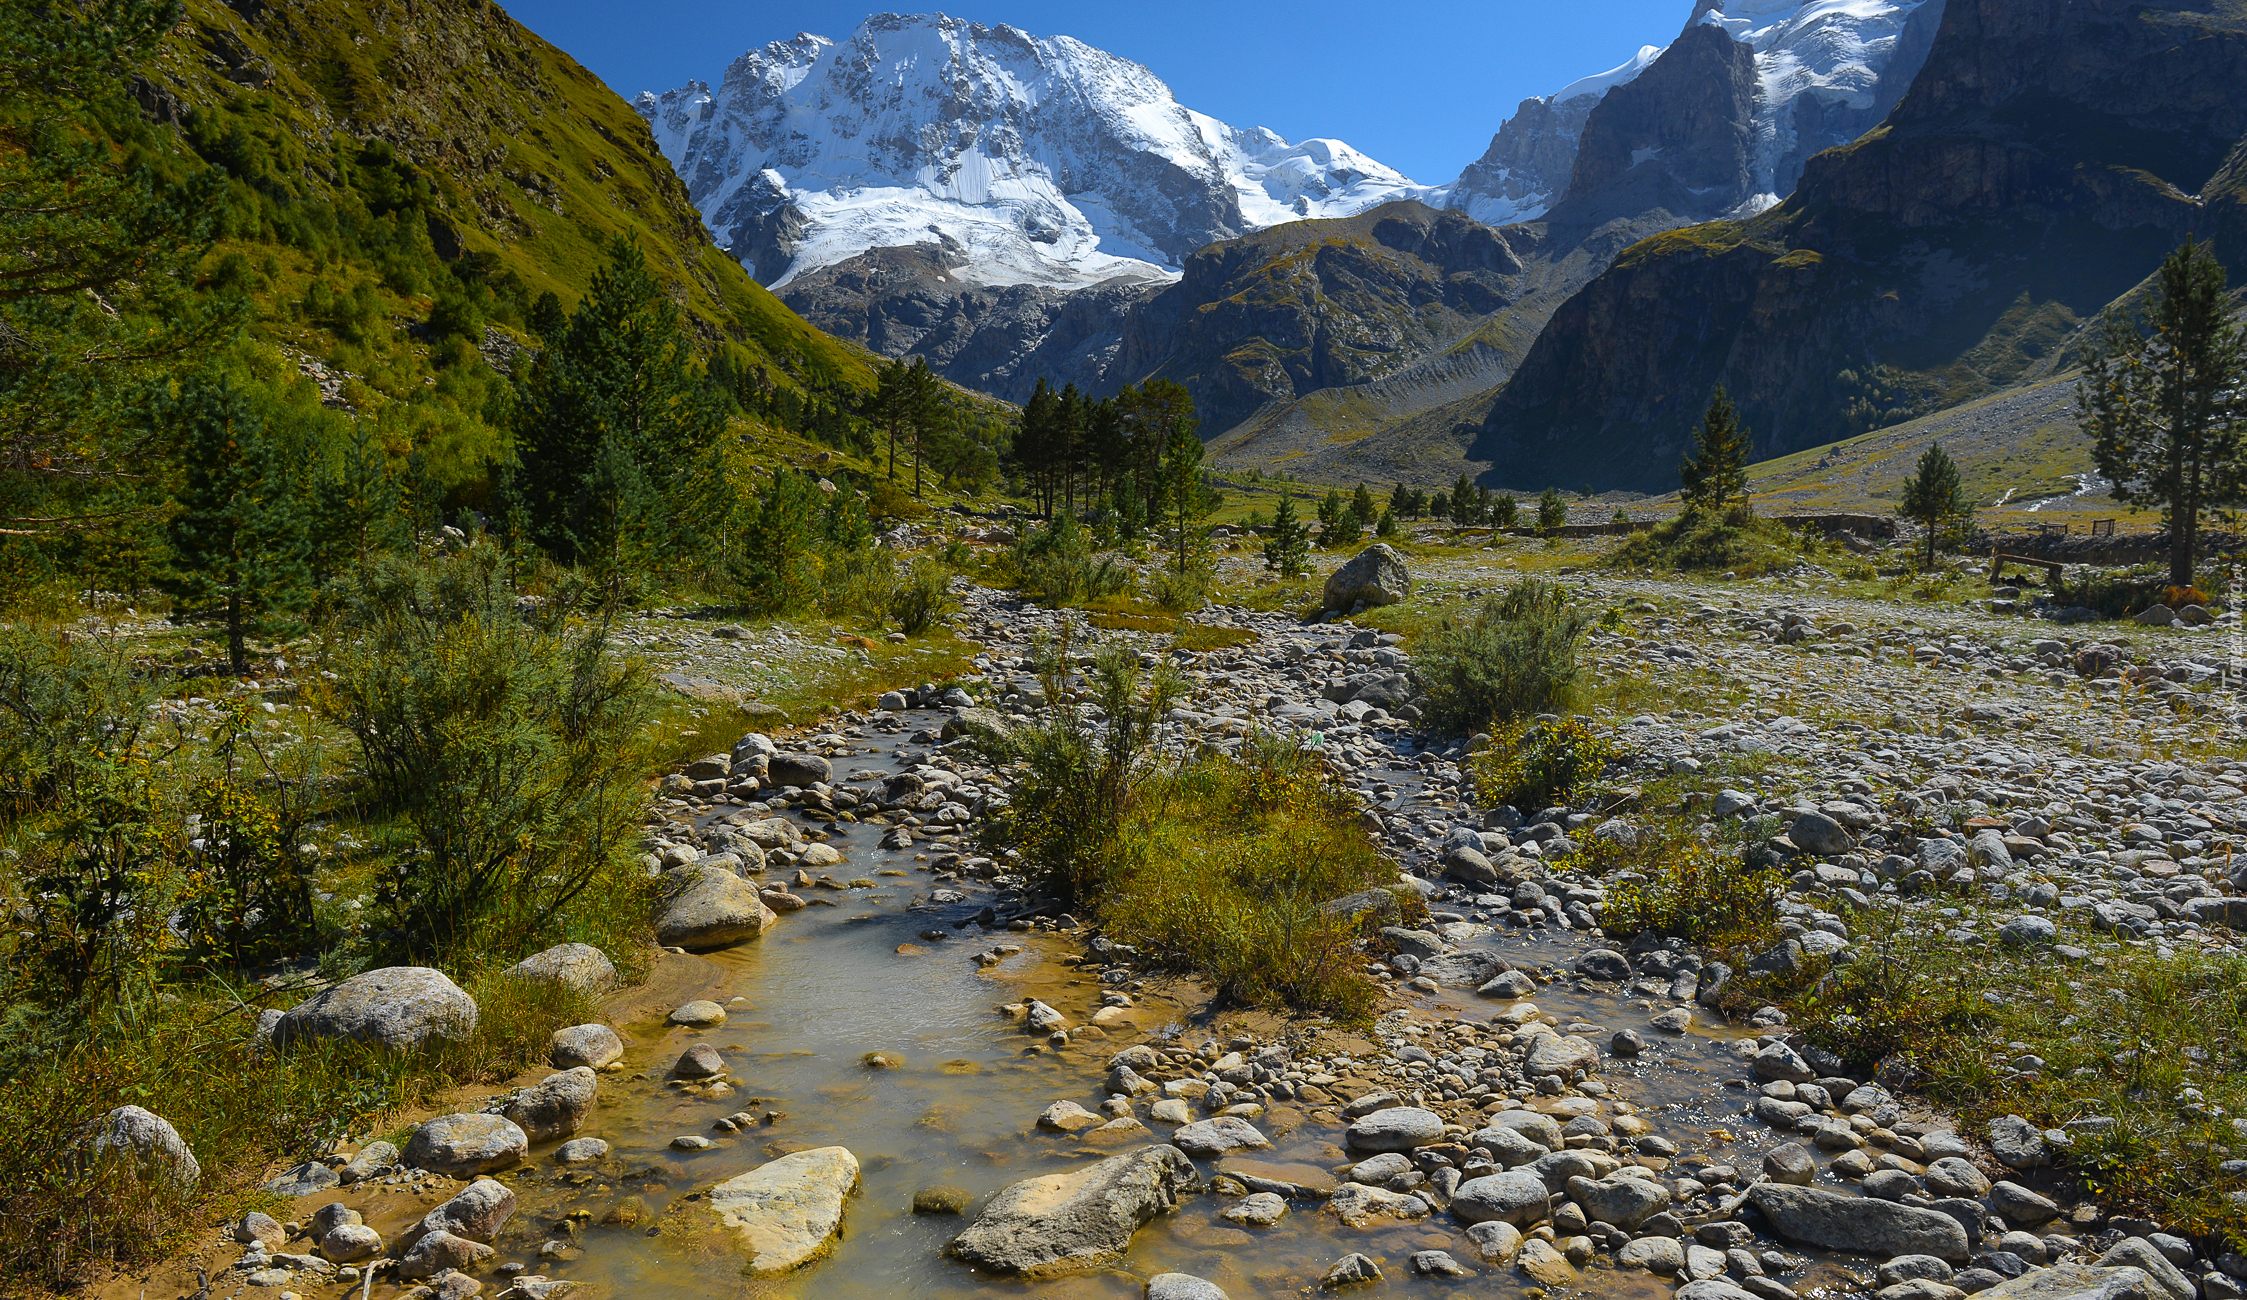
(2043, 162)
(527, 159)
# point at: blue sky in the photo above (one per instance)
(1419, 86)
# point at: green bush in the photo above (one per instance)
(508, 742)
(1515, 656)
(1679, 887)
(1731, 539)
(923, 597)
(859, 585)
(1177, 592)
(1055, 565)
(1076, 781)
(1225, 869)
(1541, 764)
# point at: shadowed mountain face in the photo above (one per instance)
(2040, 166)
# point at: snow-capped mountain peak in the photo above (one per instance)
(1025, 159)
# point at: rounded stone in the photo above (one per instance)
(593, 1045)
(557, 1106)
(1182, 1286)
(1516, 1196)
(700, 1061)
(579, 966)
(461, 1146)
(1399, 1128)
(581, 1151)
(701, 1014)
(399, 1008)
(149, 1143)
(348, 1243)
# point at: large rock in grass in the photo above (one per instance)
(785, 1214)
(148, 1144)
(1374, 576)
(400, 1008)
(1860, 1224)
(579, 966)
(464, 1145)
(708, 908)
(1073, 1222)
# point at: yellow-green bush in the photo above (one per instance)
(1685, 889)
(1532, 765)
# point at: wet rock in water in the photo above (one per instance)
(373, 1158)
(255, 1226)
(581, 1151)
(1516, 1196)
(592, 1045)
(700, 1061)
(400, 1008)
(532, 1286)
(1779, 1061)
(1717, 1288)
(785, 1214)
(1623, 1201)
(349, 1243)
(1377, 575)
(579, 966)
(1951, 1176)
(1625, 1042)
(438, 1251)
(1663, 1256)
(1211, 1138)
(702, 1014)
(1464, 970)
(1358, 1205)
(303, 1180)
(1604, 964)
(1508, 1147)
(556, 1107)
(709, 908)
(799, 770)
(1513, 984)
(942, 1199)
(1351, 1270)
(1560, 1054)
(1791, 1163)
(1539, 1128)
(1437, 1263)
(1496, 1240)
(2079, 1282)
(1071, 1222)
(1182, 1286)
(1257, 1210)
(1543, 1263)
(1911, 1268)
(462, 1146)
(1815, 1217)
(1398, 1128)
(1068, 1117)
(476, 1213)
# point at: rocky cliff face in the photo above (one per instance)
(1528, 164)
(2041, 164)
(1042, 160)
(1678, 138)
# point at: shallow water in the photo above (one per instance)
(828, 985)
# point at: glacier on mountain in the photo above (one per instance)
(1021, 159)
(1828, 70)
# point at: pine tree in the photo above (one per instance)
(1463, 500)
(1439, 506)
(1361, 505)
(1400, 502)
(924, 413)
(2167, 409)
(616, 429)
(360, 506)
(1387, 525)
(1552, 512)
(1934, 496)
(1287, 552)
(1170, 410)
(1715, 475)
(240, 540)
(1505, 511)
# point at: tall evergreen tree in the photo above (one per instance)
(892, 406)
(1934, 496)
(616, 429)
(1361, 505)
(1552, 512)
(240, 538)
(925, 414)
(1400, 502)
(1715, 475)
(1287, 551)
(1169, 411)
(1505, 511)
(2166, 406)
(360, 506)
(1463, 498)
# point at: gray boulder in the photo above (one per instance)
(2018, 1144)
(556, 1107)
(1516, 1196)
(1509, 1148)
(799, 769)
(1624, 1202)
(1814, 832)
(580, 966)
(476, 1213)
(1542, 1129)
(1072, 1222)
(1374, 576)
(2164, 1281)
(1561, 1054)
(438, 1251)
(787, 1213)
(2078, 1282)
(1399, 1128)
(1815, 1217)
(148, 1144)
(1604, 964)
(372, 1159)
(1423, 944)
(1182, 1286)
(399, 1008)
(595, 1045)
(1466, 969)
(348, 1243)
(710, 908)
(464, 1145)
(1221, 1135)
(303, 1179)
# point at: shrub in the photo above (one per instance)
(1225, 870)
(1538, 765)
(923, 597)
(1055, 565)
(508, 742)
(1682, 888)
(1077, 781)
(1178, 592)
(1516, 656)
(1732, 539)
(859, 585)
